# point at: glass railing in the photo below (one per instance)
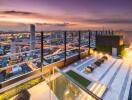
(66, 88)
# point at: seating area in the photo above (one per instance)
(100, 61)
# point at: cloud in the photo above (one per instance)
(23, 18)
(31, 15)
(105, 21)
(111, 21)
(56, 24)
(16, 12)
(13, 15)
(21, 13)
(36, 18)
(67, 18)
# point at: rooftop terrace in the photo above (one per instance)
(75, 53)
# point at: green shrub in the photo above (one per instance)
(78, 78)
(105, 49)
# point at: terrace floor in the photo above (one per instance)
(41, 92)
(115, 74)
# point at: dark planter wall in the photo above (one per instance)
(106, 43)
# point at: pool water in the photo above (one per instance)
(130, 93)
(88, 62)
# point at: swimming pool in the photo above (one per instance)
(130, 93)
(85, 64)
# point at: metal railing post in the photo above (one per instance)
(79, 41)
(89, 43)
(42, 55)
(65, 42)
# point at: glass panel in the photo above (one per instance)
(72, 45)
(65, 89)
(54, 42)
(15, 52)
(93, 39)
(84, 41)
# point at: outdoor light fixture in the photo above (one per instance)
(100, 54)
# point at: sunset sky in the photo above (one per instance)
(66, 14)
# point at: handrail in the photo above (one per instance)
(20, 82)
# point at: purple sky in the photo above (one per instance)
(113, 14)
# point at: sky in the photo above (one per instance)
(65, 14)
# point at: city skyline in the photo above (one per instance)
(69, 14)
